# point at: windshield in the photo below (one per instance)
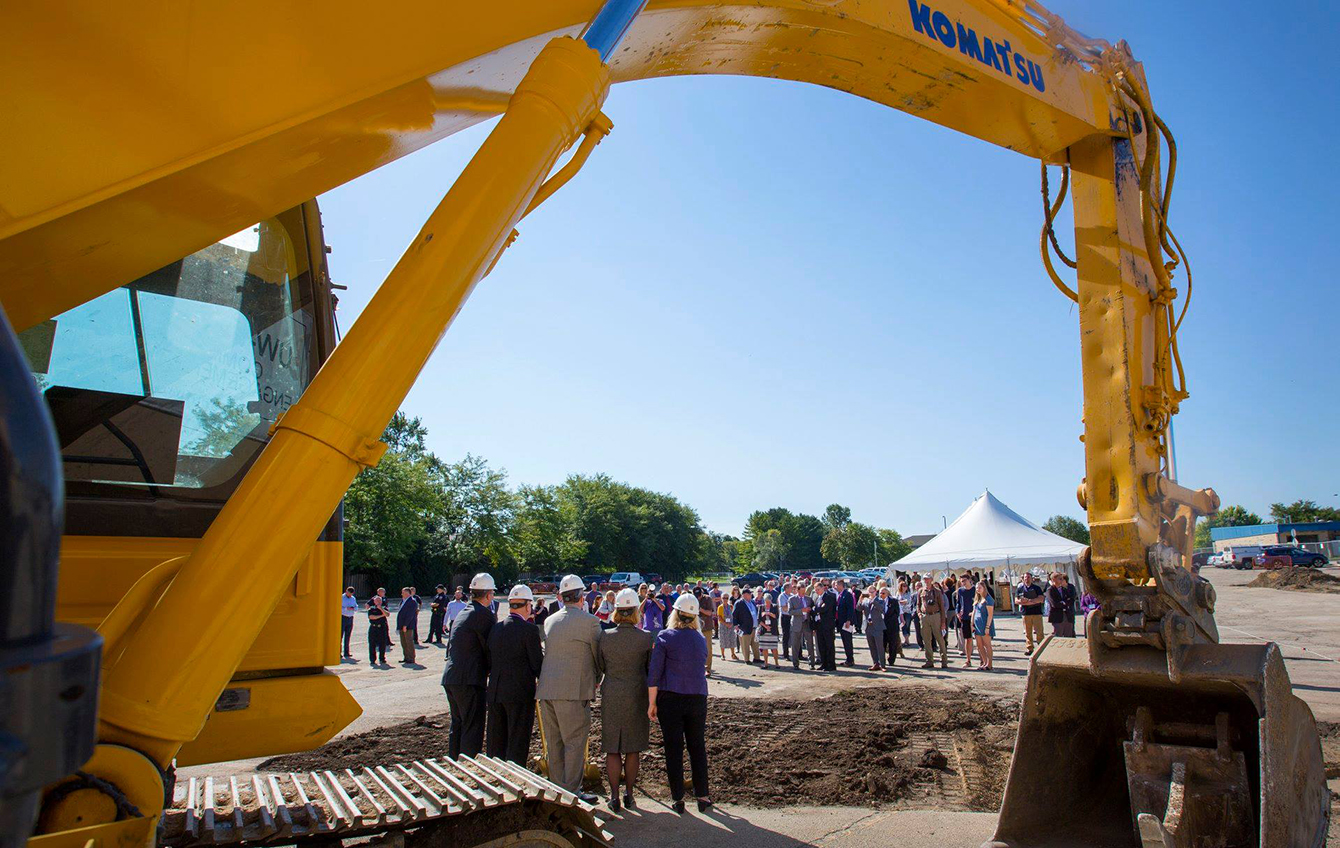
(174, 379)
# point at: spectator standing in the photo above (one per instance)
(797, 610)
(1071, 602)
(784, 609)
(745, 618)
(932, 607)
(625, 655)
(963, 602)
(406, 622)
(826, 614)
(348, 609)
(467, 671)
(893, 615)
(907, 606)
(455, 606)
(515, 660)
(984, 624)
(707, 617)
(872, 609)
(418, 605)
(1028, 596)
(379, 630)
(846, 621)
(436, 622)
(605, 611)
(1058, 608)
(653, 612)
(677, 692)
(726, 628)
(768, 630)
(568, 685)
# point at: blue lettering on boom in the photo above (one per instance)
(936, 26)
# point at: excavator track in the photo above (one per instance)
(465, 802)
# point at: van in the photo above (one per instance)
(1241, 556)
(630, 579)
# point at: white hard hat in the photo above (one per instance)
(482, 582)
(626, 599)
(570, 583)
(687, 604)
(521, 592)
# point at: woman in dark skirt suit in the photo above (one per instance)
(625, 652)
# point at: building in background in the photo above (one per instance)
(1313, 535)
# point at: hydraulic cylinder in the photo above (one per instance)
(172, 669)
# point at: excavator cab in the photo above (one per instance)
(163, 392)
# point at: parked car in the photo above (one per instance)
(1241, 556)
(827, 575)
(1295, 556)
(595, 579)
(1217, 560)
(753, 578)
(627, 578)
(1270, 561)
(1199, 560)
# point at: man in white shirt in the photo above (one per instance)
(454, 608)
(348, 608)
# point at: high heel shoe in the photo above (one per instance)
(628, 801)
(678, 807)
(704, 804)
(614, 802)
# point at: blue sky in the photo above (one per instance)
(761, 293)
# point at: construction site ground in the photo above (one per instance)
(807, 758)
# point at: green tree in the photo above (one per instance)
(626, 528)
(542, 532)
(473, 530)
(1071, 528)
(854, 545)
(391, 511)
(770, 552)
(892, 547)
(1302, 512)
(1228, 516)
(801, 536)
(837, 516)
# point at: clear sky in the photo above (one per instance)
(762, 293)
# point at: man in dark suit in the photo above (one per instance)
(437, 623)
(827, 628)
(467, 669)
(515, 658)
(892, 622)
(846, 615)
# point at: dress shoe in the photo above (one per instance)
(628, 801)
(704, 805)
(588, 797)
(678, 807)
(614, 802)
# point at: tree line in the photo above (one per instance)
(418, 519)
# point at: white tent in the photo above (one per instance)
(990, 535)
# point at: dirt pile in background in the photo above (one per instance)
(1297, 579)
(868, 747)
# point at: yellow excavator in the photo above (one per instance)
(180, 423)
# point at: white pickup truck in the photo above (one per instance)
(1241, 556)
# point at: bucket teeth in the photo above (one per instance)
(371, 800)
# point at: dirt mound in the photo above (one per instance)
(1297, 579)
(868, 747)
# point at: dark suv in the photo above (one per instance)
(1296, 556)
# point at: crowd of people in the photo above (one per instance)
(649, 652)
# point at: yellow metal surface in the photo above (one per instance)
(129, 773)
(1116, 324)
(274, 715)
(131, 833)
(153, 129)
(302, 632)
(163, 687)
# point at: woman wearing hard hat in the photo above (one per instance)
(677, 692)
(625, 653)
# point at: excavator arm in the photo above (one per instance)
(149, 132)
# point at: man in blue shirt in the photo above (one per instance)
(348, 608)
(406, 620)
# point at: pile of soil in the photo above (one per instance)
(1297, 579)
(867, 747)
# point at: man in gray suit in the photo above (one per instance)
(568, 686)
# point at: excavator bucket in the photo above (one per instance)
(1228, 757)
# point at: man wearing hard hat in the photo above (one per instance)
(467, 669)
(516, 657)
(568, 685)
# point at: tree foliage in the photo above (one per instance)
(1069, 528)
(1302, 512)
(1228, 516)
